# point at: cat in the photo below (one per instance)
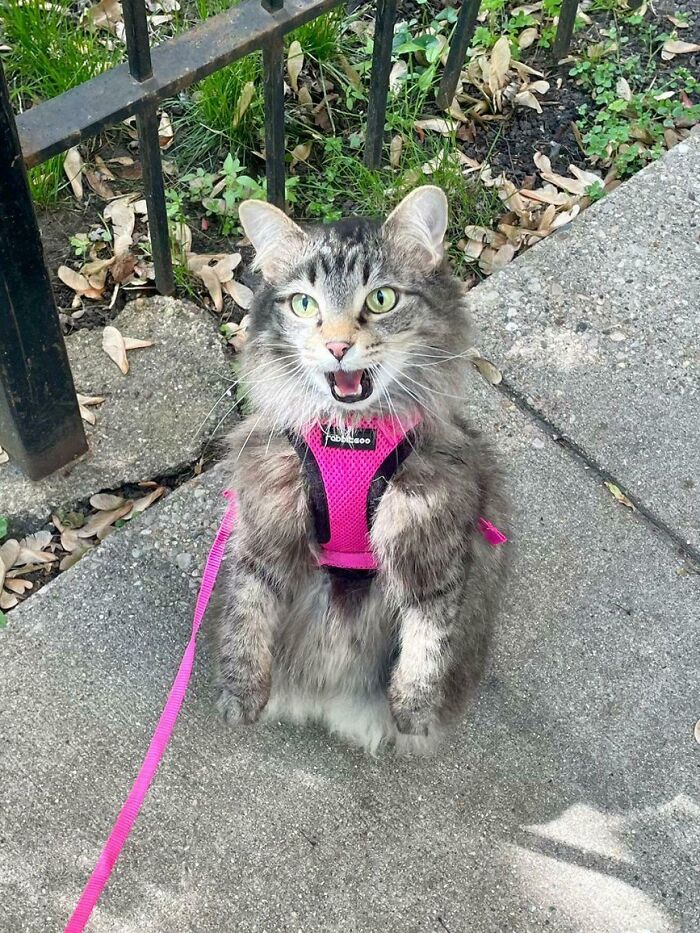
(358, 325)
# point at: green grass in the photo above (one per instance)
(49, 51)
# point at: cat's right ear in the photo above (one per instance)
(277, 240)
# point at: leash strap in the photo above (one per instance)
(129, 812)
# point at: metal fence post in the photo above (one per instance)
(565, 29)
(379, 82)
(40, 425)
(139, 52)
(273, 83)
(464, 30)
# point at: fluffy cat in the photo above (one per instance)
(356, 320)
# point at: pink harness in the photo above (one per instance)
(344, 489)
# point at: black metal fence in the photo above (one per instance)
(40, 425)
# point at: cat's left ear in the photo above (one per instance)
(277, 240)
(420, 221)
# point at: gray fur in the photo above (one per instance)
(391, 660)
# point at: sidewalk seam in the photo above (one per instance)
(580, 454)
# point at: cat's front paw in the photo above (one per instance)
(240, 709)
(411, 717)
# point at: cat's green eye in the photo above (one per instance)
(381, 300)
(304, 306)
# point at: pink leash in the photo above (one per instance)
(127, 816)
(128, 813)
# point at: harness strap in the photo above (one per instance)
(129, 812)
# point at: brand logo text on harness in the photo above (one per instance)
(349, 438)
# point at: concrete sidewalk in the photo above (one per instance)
(565, 803)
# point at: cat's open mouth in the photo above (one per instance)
(350, 387)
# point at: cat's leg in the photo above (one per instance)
(442, 578)
(246, 633)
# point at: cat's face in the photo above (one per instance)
(355, 317)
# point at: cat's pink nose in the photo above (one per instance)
(338, 348)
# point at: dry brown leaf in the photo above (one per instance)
(73, 280)
(542, 162)
(18, 586)
(9, 552)
(574, 185)
(244, 101)
(623, 90)
(99, 185)
(123, 268)
(225, 266)
(71, 559)
(4, 456)
(304, 98)
(527, 37)
(106, 501)
(673, 47)
(544, 196)
(503, 256)
(101, 520)
(395, 148)
(73, 167)
(527, 99)
(121, 213)
(69, 539)
(166, 133)
(619, 495)
(135, 343)
(473, 249)
(106, 14)
(140, 505)
(500, 62)
(240, 293)
(113, 345)
(182, 236)
(565, 217)
(301, 153)
(397, 76)
(7, 600)
(85, 402)
(238, 337)
(678, 23)
(436, 125)
(349, 72)
(295, 62)
(490, 372)
(213, 285)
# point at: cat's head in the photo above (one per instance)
(356, 317)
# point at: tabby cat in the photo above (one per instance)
(356, 349)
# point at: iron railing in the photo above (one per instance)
(40, 425)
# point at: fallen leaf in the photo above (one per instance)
(678, 23)
(106, 14)
(395, 148)
(244, 101)
(397, 76)
(503, 256)
(436, 124)
(106, 502)
(121, 213)
(99, 185)
(696, 731)
(123, 267)
(73, 167)
(113, 345)
(98, 522)
(18, 586)
(619, 495)
(527, 37)
(85, 402)
(301, 153)
(9, 552)
(73, 279)
(623, 90)
(542, 162)
(295, 62)
(490, 372)
(213, 285)
(70, 560)
(135, 343)
(527, 99)
(7, 600)
(500, 62)
(349, 72)
(140, 505)
(240, 293)
(4, 456)
(166, 133)
(673, 47)
(304, 98)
